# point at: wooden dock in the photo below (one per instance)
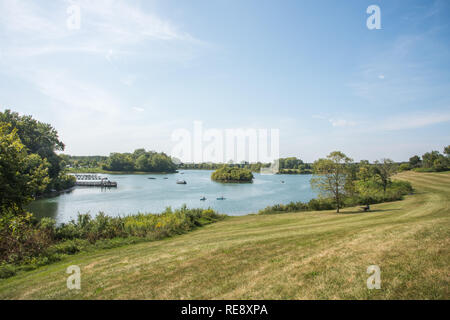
(93, 180)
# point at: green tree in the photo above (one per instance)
(365, 171)
(447, 151)
(40, 138)
(232, 174)
(22, 175)
(441, 163)
(429, 158)
(330, 177)
(384, 169)
(120, 162)
(415, 162)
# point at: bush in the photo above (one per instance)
(26, 244)
(20, 240)
(232, 174)
(404, 167)
(7, 270)
(312, 205)
(63, 182)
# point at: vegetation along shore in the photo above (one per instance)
(321, 247)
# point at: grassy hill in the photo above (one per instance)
(309, 255)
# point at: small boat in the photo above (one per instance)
(202, 199)
(282, 181)
(221, 198)
(181, 182)
(165, 178)
(151, 178)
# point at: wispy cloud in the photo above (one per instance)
(414, 121)
(106, 26)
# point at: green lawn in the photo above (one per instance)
(308, 255)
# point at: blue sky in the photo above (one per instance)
(136, 71)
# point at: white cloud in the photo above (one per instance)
(381, 76)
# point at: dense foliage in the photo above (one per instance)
(26, 243)
(139, 160)
(40, 142)
(22, 175)
(232, 174)
(82, 162)
(432, 161)
(292, 165)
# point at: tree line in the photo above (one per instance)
(432, 161)
(138, 161)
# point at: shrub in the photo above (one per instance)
(7, 270)
(26, 244)
(404, 167)
(232, 174)
(20, 239)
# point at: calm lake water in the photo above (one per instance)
(137, 193)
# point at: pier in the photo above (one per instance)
(93, 180)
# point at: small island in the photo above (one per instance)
(228, 174)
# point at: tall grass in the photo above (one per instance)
(43, 242)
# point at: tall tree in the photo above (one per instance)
(22, 175)
(415, 162)
(331, 176)
(429, 158)
(40, 138)
(384, 169)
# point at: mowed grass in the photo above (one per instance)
(308, 255)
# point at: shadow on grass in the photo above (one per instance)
(367, 212)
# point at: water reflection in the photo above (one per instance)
(137, 193)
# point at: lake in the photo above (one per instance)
(137, 193)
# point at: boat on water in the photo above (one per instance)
(181, 182)
(202, 199)
(221, 198)
(151, 178)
